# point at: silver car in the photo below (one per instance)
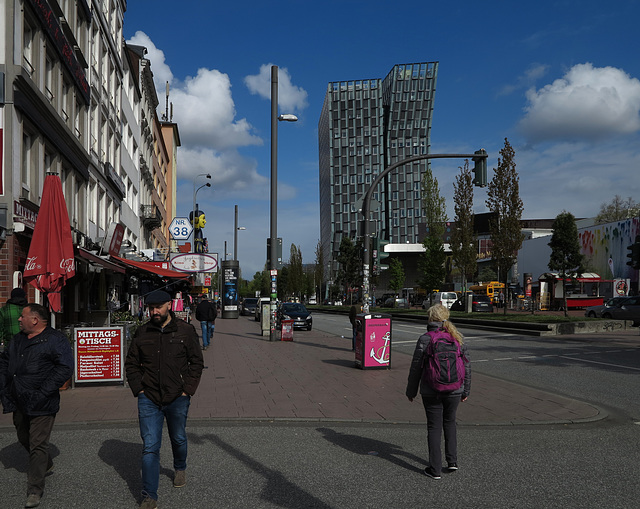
(628, 309)
(598, 311)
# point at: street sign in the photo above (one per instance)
(180, 228)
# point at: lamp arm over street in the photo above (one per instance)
(367, 204)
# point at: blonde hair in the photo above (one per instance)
(440, 313)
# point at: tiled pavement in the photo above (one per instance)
(314, 378)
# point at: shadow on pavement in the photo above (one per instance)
(368, 446)
(15, 456)
(278, 490)
(125, 458)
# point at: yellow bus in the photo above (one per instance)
(491, 289)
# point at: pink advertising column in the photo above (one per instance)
(373, 341)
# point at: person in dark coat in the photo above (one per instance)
(206, 314)
(440, 407)
(34, 366)
(164, 365)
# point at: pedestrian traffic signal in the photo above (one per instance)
(480, 168)
(634, 254)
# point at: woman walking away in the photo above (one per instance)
(441, 368)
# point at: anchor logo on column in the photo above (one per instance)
(384, 356)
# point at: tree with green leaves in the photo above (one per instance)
(463, 239)
(318, 271)
(397, 277)
(260, 284)
(565, 250)
(350, 264)
(503, 200)
(295, 281)
(618, 210)
(432, 261)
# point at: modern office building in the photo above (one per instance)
(365, 126)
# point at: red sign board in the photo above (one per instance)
(99, 354)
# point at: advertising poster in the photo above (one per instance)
(230, 295)
(99, 354)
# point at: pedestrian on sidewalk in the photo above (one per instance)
(9, 315)
(440, 405)
(163, 366)
(33, 367)
(206, 314)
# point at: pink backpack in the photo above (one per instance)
(443, 362)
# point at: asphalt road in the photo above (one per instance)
(325, 465)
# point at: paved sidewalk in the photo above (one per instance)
(314, 378)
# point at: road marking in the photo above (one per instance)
(503, 359)
(602, 363)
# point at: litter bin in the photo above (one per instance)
(286, 330)
(373, 341)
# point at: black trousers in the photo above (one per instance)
(34, 432)
(441, 415)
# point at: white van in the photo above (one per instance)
(444, 298)
(259, 304)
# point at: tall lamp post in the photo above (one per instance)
(236, 229)
(207, 175)
(273, 236)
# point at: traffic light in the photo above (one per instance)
(278, 253)
(382, 255)
(634, 254)
(480, 168)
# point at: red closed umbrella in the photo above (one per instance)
(50, 261)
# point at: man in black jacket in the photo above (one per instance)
(206, 314)
(164, 365)
(36, 363)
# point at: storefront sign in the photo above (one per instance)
(195, 262)
(99, 354)
(24, 215)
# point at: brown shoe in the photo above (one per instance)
(149, 503)
(33, 500)
(180, 479)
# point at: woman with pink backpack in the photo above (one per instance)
(441, 369)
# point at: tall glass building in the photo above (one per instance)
(365, 126)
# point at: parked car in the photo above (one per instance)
(445, 298)
(297, 312)
(259, 304)
(628, 309)
(396, 302)
(597, 311)
(249, 306)
(479, 304)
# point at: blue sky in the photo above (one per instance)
(559, 79)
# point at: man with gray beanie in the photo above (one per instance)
(164, 365)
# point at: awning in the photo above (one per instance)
(154, 269)
(94, 259)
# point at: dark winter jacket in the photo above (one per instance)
(164, 362)
(206, 311)
(417, 365)
(33, 370)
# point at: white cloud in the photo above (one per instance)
(205, 112)
(587, 103)
(291, 98)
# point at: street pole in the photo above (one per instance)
(366, 211)
(273, 232)
(235, 236)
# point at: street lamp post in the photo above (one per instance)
(366, 207)
(195, 191)
(273, 234)
(235, 235)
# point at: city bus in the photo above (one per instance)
(491, 289)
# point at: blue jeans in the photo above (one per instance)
(207, 332)
(151, 417)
